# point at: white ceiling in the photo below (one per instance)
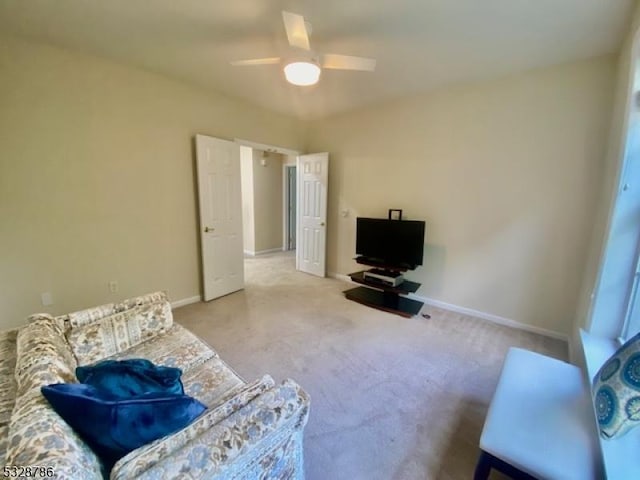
(419, 44)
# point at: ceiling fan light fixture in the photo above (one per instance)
(302, 73)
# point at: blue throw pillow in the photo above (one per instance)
(113, 426)
(128, 378)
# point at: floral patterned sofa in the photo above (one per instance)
(249, 431)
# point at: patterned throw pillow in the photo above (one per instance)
(616, 391)
(119, 332)
(91, 315)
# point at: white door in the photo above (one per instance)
(313, 172)
(220, 216)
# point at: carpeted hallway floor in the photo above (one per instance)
(391, 398)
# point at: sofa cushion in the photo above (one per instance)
(120, 331)
(210, 381)
(126, 378)
(205, 376)
(616, 390)
(178, 347)
(114, 426)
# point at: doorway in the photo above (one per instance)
(249, 200)
(284, 205)
(268, 196)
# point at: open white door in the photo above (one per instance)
(313, 173)
(220, 216)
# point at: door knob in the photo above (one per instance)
(322, 224)
(207, 229)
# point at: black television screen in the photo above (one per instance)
(394, 243)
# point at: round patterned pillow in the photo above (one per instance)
(616, 391)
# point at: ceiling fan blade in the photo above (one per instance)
(347, 62)
(256, 61)
(296, 30)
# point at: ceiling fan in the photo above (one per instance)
(305, 69)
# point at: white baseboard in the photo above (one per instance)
(473, 313)
(490, 317)
(185, 301)
(339, 276)
(262, 252)
(271, 250)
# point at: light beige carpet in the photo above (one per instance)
(391, 398)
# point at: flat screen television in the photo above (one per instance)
(390, 243)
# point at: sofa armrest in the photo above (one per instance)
(7, 374)
(260, 434)
(141, 459)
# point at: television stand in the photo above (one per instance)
(377, 294)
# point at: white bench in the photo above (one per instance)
(540, 424)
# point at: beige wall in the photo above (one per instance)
(96, 181)
(506, 174)
(97, 177)
(267, 188)
(248, 213)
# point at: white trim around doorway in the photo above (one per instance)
(290, 162)
(266, 148)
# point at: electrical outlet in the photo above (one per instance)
(113, 286)
(47, 298)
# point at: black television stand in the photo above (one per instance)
(384, 297)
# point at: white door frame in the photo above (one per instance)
(266, 147)
(290, 162)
